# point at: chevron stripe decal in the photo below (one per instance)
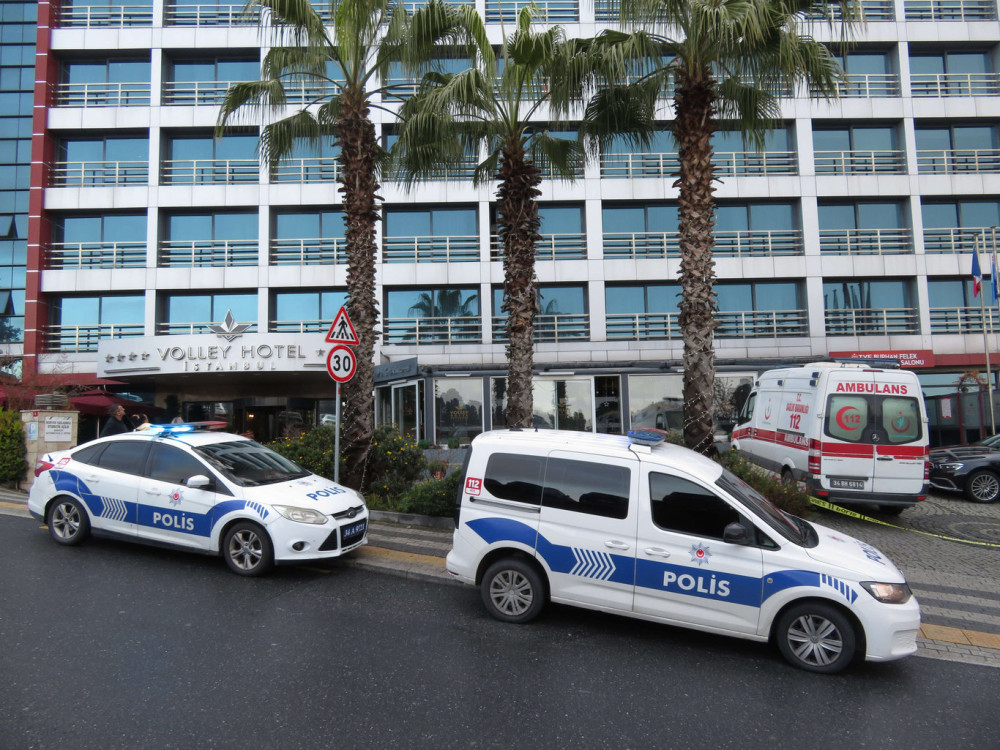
(592, 564)
(114, 509)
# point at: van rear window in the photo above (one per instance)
(873, 418)
(513, 477)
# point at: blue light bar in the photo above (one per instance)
(646, 437)
(177, 428)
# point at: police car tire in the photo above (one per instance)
(247, 549)
(67, 521)
(982, 487)
(816, 637)
(513, 591)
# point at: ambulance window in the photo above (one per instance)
(173, 465)
(847, 417)
(127, 457)
(680, 505)
(746, 413)
(901, 419)
(587, 487)
(513, 477)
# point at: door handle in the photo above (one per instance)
(153, 492)
(884, 458)
(616, 545)
(656, 552)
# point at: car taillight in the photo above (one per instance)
(927, 470)
(41, 466)
(814, 460)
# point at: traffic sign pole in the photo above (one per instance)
(336, 441)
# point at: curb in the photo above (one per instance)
(412, 519)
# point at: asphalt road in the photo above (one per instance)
(113, 645)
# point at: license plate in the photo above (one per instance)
(847, 484)
(351, 534)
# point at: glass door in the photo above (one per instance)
(406, 409)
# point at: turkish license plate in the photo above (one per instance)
(352, 534)
(847, 484)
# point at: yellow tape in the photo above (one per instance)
(838, 509)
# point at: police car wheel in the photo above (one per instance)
(247, 549)
(982, 487)
(67, 521)
(513, 591)
(816, 637)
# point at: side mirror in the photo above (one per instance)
(736, 533)
(198, 482)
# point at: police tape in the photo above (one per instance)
(844, 511)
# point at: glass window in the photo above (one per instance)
(682, 506)
(300, 306)
(514, 477)
(746, 297)
(656, 401)
(107, 310)
(847, 417)
(564, 404)
(298, 225)
(201, 308)
(859, 138)
(215, 226)
(125, 456)
(629, 299)
(458, 408)
(863, 295)
(875, 215)
(560, 219)
(950, 293)
(193, 148)
(105, 149)
(596, 489)
(443, 222)
(901, 419)
(169, 464)
(434, 303)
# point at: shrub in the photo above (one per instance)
(313, 451)
(435, 497)
(13, 462)
(395, 463)
(789, 496)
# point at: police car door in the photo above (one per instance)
(106, 480)
(685, 572)
(586, 530)
(169, 510)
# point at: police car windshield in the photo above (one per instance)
(793, 529)
(250, 464)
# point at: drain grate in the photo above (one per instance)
(960, 527)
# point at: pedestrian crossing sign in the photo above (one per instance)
(342, 330)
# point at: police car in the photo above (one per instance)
(635, 526)
(184, 486)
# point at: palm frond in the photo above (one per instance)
(246, 103)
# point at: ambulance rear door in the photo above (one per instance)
(902, 450)
(849, 427)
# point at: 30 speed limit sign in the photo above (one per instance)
(341, 364)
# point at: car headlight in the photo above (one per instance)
(300, 515)
(888, 593)
(951, 466)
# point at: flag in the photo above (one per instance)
(977, 274)
(996, 282)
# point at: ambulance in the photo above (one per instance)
(855, 434)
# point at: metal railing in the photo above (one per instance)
(872, 321)
(125, 94)
(84, 338)
(865, 241)
(298, 326)
(959, 160)
(195, 253)
(758, 324)
(550, 11)
(642, 326)
(871, 10)
(869, 85)
(318, 251)
(203, 171)
(84, 255)
(963, 319)
(955, 84)
(727, 164)
(94, 173)
(549, 328)
(950, 10)
(310, 169)
(740, 244)
(195, 93)
(189, 329)
(458, 330)
(952, 239)
(550, 247)
(464, 171)
(210, 14)
(447, 249)
(106, 15)
(860, 162)
(306, 92)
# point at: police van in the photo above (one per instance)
(635, 526)
(855, 434)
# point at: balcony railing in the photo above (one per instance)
(761, 324)
(865, 241)
(642, 326)
(458, 330)
(195, 93)
(208, 15)
(952, 239)
(84, 255)
(727, 164)
(860, 162)
(871, 10)
(453, 249)
(313, 169)
(299, 326)
(571, 246)
(957, 161)
(190, 329)
(872, 322)
(84, 338)
(319, 251)
(963, 319)
(740, 244)
(102, 94)
(950, 10)
(550, 11)
(550, 328)
(94, 173)
(209, 171)
(199, 253)
(869, 85)
(461, 172)
(106, 15)
(306, 92)
(955, 84)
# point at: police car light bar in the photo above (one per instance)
(646, 437)
(179, 427)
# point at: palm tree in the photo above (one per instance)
(366, 37)
(491, 112)
(726, 65)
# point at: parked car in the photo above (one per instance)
(971, 469)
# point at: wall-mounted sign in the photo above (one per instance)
(911, 358)
(58, 429)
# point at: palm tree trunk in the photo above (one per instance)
(517, 217)
(356, 136)
(694, 122)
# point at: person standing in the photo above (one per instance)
(117, 422)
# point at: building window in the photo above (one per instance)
(458, 409)
(956, 226)
(953, 73)
(864, 228)
(955, 309)
(733, 158)
(859, 149)
(870, 74)
(859, 308)
(559, 403)
(309, 161)
(957, 148)
(306, 311)
(79, 322)
(97, 13)
(111, 160)
(426, 316)
(200, 13)
(199, 159)
(659, 159)
(206, 81)
(769, 309)
(98, 241)
(648, 231)
(308, 238)
(562, 234)
(103, 83)
(426, 235)
(224, 239)
(562, 317)
(194, 313)
(637, 312)
(757, 229)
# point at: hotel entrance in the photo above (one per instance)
(401, 404)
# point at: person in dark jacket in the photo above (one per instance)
(117, 422)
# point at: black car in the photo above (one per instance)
(972, 469)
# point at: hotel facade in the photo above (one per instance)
(178, 265)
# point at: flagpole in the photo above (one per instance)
(986, 340)
(996, 301)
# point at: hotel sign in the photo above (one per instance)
(911, 358)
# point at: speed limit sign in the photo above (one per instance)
(341, 363)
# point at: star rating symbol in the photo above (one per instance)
(229, 329)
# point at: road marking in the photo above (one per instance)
(393, 554)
